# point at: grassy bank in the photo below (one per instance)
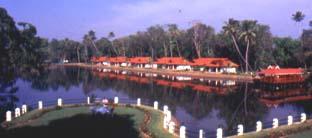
(297, 130)
(126, 121)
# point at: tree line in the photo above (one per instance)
(246, 42)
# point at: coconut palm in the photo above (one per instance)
(248, 35)
(232, 28)
(298, 16)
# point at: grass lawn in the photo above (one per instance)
(80, 121)
(305, 134)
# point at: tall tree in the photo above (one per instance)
(200, 32)
(248, 35)
(232, 28)
(298, 16)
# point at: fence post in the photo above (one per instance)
(40, 105)
(59, 102)
(24, 108)
(156, 105)
(259, 126)
(116, 100)
(201, 133)
(240, 130)
(289, 120)
(219, 133)
(169, 115)
(182, 132)
(303, 117)
(8, 116)
(171, 127)
(275, 123)
(17, 112)
(165, 109)
(139, 102)
(88, 100)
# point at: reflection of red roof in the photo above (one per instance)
(271, 71)
(172, 61)
(117, 59)
(178, 85)
(285, 100)
(140, 60)
(214, 62)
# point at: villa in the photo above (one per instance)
(222, 65)
(173, 63)
(118, 61)
(142, 62)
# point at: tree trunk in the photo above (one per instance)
(178, 48)
(78, 56)
(165, 49)
(246, 55)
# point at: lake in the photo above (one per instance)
(196, 103)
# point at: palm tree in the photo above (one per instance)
(248, 35)
(298, 16)
(111, 36)
(231, 28)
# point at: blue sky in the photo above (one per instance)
(73, 18)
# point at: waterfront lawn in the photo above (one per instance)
(78, 121)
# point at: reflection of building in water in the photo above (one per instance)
(177, 82)
(282, 96)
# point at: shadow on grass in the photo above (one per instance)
(88, 126)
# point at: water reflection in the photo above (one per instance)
(199, 103)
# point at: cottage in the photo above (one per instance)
(173, 63)
(277, 75)
(118, 61)
(215, 65)
(142, 62)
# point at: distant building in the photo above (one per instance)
(118, 61)
(277, 75)
(173, 63)
(142, 62)
(222, 65)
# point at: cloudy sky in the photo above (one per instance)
(73, 18)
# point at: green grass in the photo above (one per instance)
(45, 117)
(136, 115)
(156, 124)
(305, 134)
(59, 114)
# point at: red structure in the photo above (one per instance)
(215, 65)
(174, 63)
(277, 75)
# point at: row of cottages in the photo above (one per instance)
(172, 63)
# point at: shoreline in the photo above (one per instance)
(193, 74)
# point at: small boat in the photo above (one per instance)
(277, 75)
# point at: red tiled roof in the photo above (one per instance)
(101, 59)
(140, 60)
(275, 70)
(173, 61)
(117, 59)
(214, 62)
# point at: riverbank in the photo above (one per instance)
(193, 74)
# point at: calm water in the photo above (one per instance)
(197, 103)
